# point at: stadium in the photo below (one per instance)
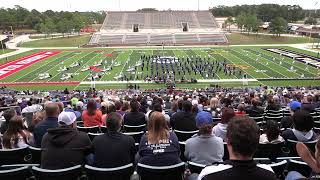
(229, 92)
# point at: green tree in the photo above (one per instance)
(240, 21)
(311, 21)
(229, 22)
(278, 26)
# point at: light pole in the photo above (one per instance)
(12, 31)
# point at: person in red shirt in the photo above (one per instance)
(92, 116)
(241, 110)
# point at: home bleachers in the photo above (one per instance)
(158, 27)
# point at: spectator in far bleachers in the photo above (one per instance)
(16, 136)
(302, 128)
(7, 114)
(204, 148)
(92, 116)
(220, 130)
(33, 106)
(159, 147)
(242, 142)
(123, 147)
(184, 120)
(64, 146)
(273, 104)
(287, 121)
(272, 133)
(134, 117)
(307, 104)
(50, 121)
(215, 107)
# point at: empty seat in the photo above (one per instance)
(20, 173)
(72, 173)
(174, 172)
(14, 156)
(138, 128)
(185, 135)
(117, 173)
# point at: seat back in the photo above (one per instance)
(174, 172)
(299, 166)
(291, 144)
(93, 129)
(13, 156)
(118, 173)
(182, 149)
(72, 173)
(195, 167)
(138, 128)
(20, 173)
(185, 135)
(271, 151)
(226, 152)
(35, 154)
(279, 168)
(93, 135)
(136, 135)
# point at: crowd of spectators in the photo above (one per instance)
(50, 121)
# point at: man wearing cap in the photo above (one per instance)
(287, 122)
(64, 146)
(204, 148)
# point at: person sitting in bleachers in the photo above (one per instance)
(272, 133)
(307, 104)
(240, 112)
(220, 130)
(255, 110)
(302, 128)
(64, 146)
(123, 147)
(287, 121)
(51, 121)
(7, 114)
(215, 107)
(16, 136)
(312, 160)
(273, 104)
(197, 147)
(159, 146)
(134, 117)
(242, 142)
(184, 120)
(92, 116)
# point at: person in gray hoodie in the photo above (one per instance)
(64, 146)
(220, 130)
(204, 148)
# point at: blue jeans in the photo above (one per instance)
(294, 175)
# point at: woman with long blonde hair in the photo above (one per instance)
(159, 147)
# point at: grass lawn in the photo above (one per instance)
(244, 38)
(59, 42)
(3, 51)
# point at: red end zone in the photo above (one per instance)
(21, 63)
(37, 83)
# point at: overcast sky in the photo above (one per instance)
(131, 5)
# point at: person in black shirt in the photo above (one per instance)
(8, 114)
(242, 142)
(134, 117)
(184, 120)
(113, 149)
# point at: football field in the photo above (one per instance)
(116, 68)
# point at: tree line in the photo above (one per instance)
(48, 21)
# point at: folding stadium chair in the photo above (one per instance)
(185, 135)
(138, 128)
(103, 129)
(93, 129)
(291, 144)
(72, 173)
(136, 135)
(316, 117)
(182, 145)
(316, 130)
(35, 154)
(258, 119)
(174, 172)
(271, 151)
(19, 173)
(299, 166)
(279, 168)
(117, 173)
(93, 135)
(216, 119)
(317, 124)
(226, 152)
(275, 118)
(13, 156)
(195, 167)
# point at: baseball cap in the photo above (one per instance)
(67, 118)
(294, 105)
(203, 118)
(79, 104)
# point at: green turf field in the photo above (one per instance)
(3, 51)
(74, 41)
(266, 68)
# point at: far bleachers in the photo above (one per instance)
(110, 39)
(206, 20)
(212, 38)
(186, 38)
(136, 39)
(161, 38)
